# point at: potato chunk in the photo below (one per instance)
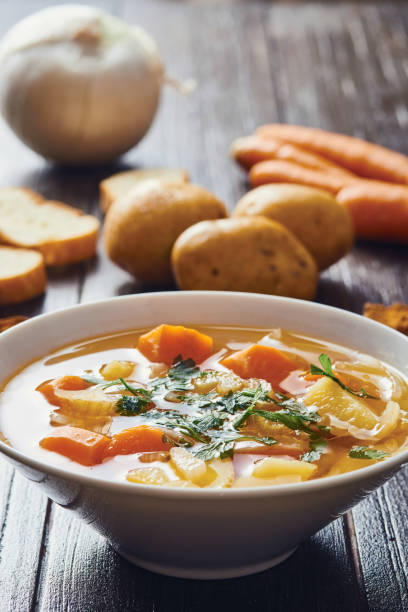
(275, 466)
(223, 472)
(149, 475)
(188, 466)
(117, 369)
(347, 410)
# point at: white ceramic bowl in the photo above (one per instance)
(193, 533)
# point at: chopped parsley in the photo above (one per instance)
(290, 417)
(326, 370)
(210, 420)
(131, 405)
(317, 446)
(178, 377)
(222, 445)
(365, 452)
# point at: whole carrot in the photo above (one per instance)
(379, 210)
(249, 150)
(277, 171)
(361, 157)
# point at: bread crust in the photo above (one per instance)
(395, 315)
(59, 251)
(22, 286)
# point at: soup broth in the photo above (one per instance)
(206, 407)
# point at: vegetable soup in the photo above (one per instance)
(206, 407)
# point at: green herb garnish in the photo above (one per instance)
(316, 447)
(365, 452)
(178, 377)
(131, 405)
(326, 370)
(222, 445)
(181, 423)
(291, 418)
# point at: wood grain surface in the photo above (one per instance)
(341, 66)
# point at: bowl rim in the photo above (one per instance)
(127, 488)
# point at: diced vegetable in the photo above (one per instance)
(224, 473)
(188, 466)
(148, 475)
(166, 342)
(65, 383)
(347, 410)
(274, 466)
(260, 361)
(117, 369)
(137, 440)
(80, 445)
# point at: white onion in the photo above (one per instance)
(78, 85)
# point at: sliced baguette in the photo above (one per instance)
(63, 234)
(22, 275)
(115, 186)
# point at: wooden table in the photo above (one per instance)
(339, 66)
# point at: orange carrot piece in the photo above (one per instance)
(379, 210)
(260, 361)
(361, 157)
(250, 150)
(166, 342)
(277, 171)
(67, 383)
(142, 438)
(80, 445)
(293, 153)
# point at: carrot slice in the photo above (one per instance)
(142, 438)
(66, 383)
(260, 361)
(80, 445)
(166, 342)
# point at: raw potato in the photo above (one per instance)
(312, 215)
(141, 228)
(244, 254)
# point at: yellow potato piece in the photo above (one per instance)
(252, 481)
(276, 466)
(330, 399)
(117, 369)
(187, 465)
(149, 475)
(221, 473)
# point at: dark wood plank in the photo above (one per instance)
(83, 573)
